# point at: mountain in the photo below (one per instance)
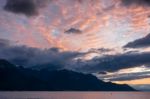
(14, 78)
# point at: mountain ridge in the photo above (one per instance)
(24, 79)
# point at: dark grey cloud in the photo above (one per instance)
(113, 63)
(28, 56)
(26, 7)
(136, 2)
(139, 43)
(100, 50)
(73, 31)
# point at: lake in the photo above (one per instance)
(74, 95)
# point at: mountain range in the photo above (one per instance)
(18, 78)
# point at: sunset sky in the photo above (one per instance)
(109, 38)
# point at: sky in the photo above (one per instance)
(109, 38)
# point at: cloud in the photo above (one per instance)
(136, 2)
(100, 50)
(139, 43)
(28, 56)
(26, 7)
(128, 76)
(73, 31)
(113, 63)
(121, 76)
(4, 42)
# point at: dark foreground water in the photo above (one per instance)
(74, 95)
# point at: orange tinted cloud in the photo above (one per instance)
(102, 23)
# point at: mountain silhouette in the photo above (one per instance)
(14, 78)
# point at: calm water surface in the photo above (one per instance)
(74, 95)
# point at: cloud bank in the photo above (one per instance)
(28, 56)
(113, 63)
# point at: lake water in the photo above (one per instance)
(74, 95)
